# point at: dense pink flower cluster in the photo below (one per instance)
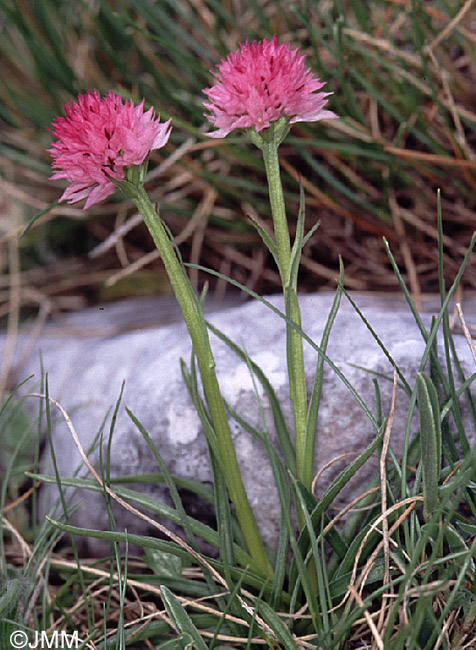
(261, 83)
(100, 138)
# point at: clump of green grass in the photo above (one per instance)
(400, 573)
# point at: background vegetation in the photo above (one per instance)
(403, 76)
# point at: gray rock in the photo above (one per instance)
(85, 374)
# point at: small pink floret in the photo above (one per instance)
(98, 140)
(261, 83)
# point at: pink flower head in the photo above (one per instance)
(261, 83)
(98, 140)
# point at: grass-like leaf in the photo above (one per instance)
(430, 442)
(181, 619)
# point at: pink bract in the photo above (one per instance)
(261, 83)
(98, 140)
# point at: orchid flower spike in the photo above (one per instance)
(98, 140)
(260, 84)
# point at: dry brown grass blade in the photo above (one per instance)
(431, 231)
(132, 268)
(349, 507)
(24, 546)
(431, 158)
(254, 264)
(118, 233)
(323, 469)
(324, 272)
(199, 222)
(147, 587)
(360, 581)
(450, 27)
(466, 331)
(21, 499)
(373, 628)
(415, 288)
(27, 552)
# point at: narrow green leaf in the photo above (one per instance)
(297, 245)
(313, 408)
(13, 592)
(148, 502)
(184, 519)
(37, 216)
(268, 242)
(449, 345)
(377, 338)
(224, 518)
(304, 499)
(430, 442)
(180, 618)
(278, 627)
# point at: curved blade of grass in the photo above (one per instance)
(106, 473)
(180, 618)
(428, 338)
(184, 519)
(313, 408)
(146, 541)
(338, 185)
(228, 528)
(430, 442)
(321, 622)
(224, 519)
(447, 440)
(466, 383)
(463, 388)
(37, 216)
(280, 477)
(374, 334)
(232, 605)
(447, 336)
(268, 242)
(450, 604)
(190, 379)
(155, 506)
(184, 482)
(62, 496)
(340, 580)
(298, 240)
(332, 536)
(449, 501)
(44, 20)
(5, 402)
(277, 626)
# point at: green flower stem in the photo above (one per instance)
(278, 210)
(295, 355)
(206, 364)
